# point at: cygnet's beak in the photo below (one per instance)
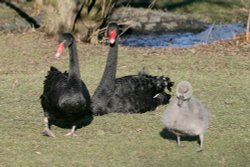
(180, 100)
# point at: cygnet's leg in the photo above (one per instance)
(47, 131)
(201, 137)
(72, 131)
(179, 141)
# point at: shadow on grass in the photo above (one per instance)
(166, 134)
(21, 13)
(82, 123)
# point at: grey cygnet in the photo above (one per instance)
(186, 116)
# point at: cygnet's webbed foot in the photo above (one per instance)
(72, 132)
(48, 132)
(181, 145)
(179, 142)
(201, 138)
(200, 149)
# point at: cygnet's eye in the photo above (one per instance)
(180, 97)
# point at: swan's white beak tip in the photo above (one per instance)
(57, 55)
(112, 41)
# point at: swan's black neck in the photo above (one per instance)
(109, 74)
(74, 70)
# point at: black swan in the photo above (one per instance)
(65, 97)
(128, 94)
(186, 115)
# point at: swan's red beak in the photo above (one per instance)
(60, 49)
(112, 36)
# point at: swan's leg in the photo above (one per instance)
(47, 131)
(72, 132)
(201, 137)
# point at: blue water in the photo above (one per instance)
(211, 34)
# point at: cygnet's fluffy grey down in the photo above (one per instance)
(186, 115)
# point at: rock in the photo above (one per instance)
(148, 21)
(150, 26)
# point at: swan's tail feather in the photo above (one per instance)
(169, 84)
(162, 82)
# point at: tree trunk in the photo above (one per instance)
(91, 18)
(59, 15)
(82, 17)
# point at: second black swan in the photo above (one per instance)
(129, 94)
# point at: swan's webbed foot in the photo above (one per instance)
(72, 132)
(48, 132)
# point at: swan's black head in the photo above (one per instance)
(65, 40)
(112, 33)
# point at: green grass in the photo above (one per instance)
(209, 11)
(219, 73)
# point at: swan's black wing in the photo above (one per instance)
(139, 93)
(54, 83)
(134, 94)
(62, 100)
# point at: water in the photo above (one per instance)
(211, 34)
